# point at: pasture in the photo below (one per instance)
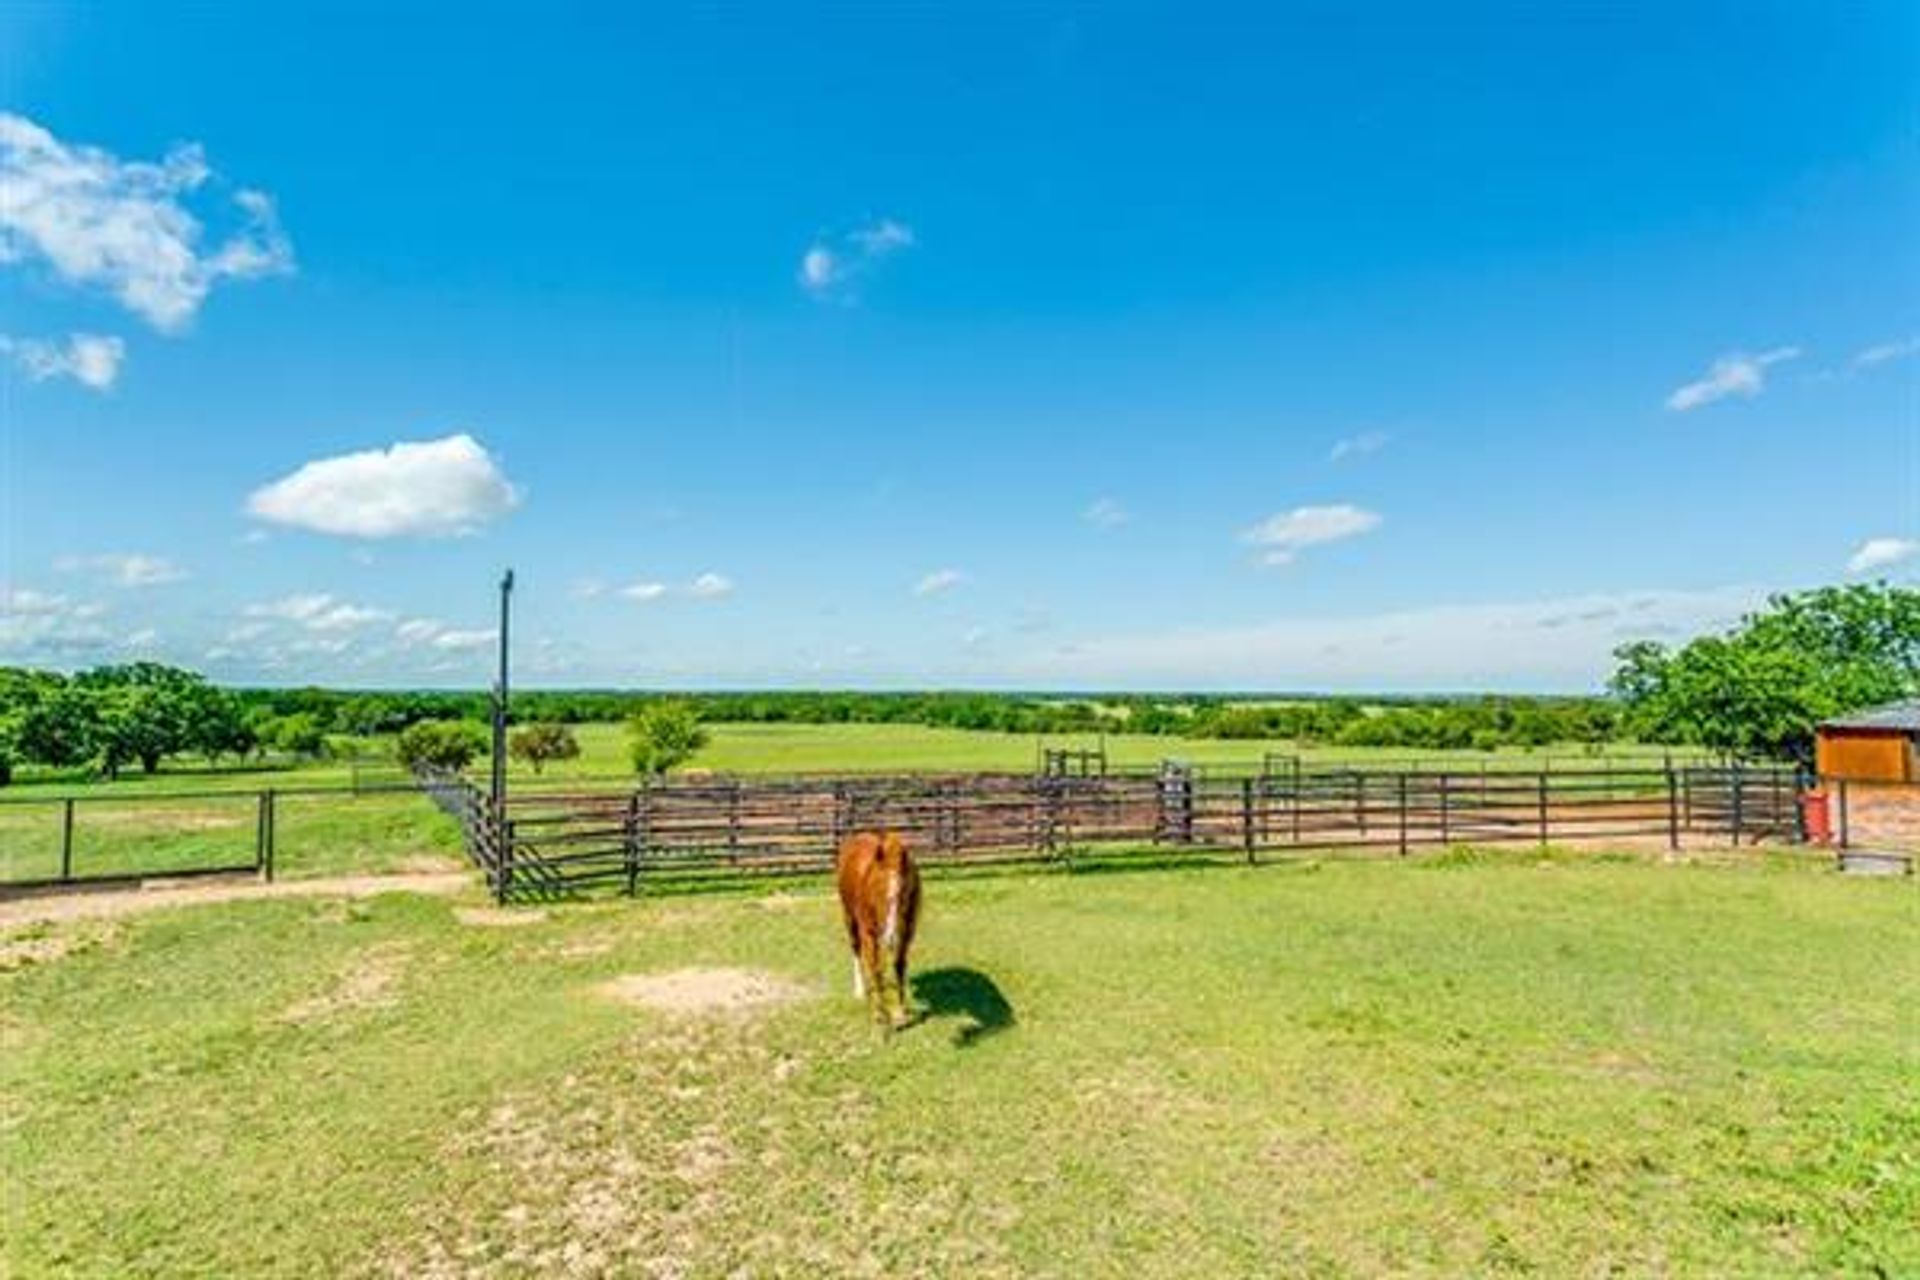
(1465, 1063)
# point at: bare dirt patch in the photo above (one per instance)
(497, 917)
(157, 895)
(371, 982)
(37, 944)
(705, 991)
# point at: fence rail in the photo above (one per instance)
(558, 841)
(567, 837)
(107, 837)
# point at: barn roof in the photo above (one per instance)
(1902, 716)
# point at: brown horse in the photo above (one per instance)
(880, 898)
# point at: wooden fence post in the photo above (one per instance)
(1735, 815)
(1843, 814)
(1444, 832)
(66, 840)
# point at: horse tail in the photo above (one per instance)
(896, 867)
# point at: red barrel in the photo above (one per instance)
(1815, 817)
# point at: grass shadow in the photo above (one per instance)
(966, 994)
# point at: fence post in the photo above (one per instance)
(1843, 814)
(1246, 816)
(267, 840)
(1543, 808)
(66, 840)
(1444, 835)
(632, 843)
(1403, 814)
(733, 822)
(1673, 807)
(503, 883)
(1295, 805)
(1735, 816)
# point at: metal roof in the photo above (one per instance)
(1902, 716)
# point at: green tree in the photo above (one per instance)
(1761, 688)
(539, 743)
(61, 728)
(300, 734)
(140, 723)
(440, 744)
(664, 734)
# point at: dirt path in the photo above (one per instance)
(159, 895)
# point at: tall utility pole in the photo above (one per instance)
(499, 789)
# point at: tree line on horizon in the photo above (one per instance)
(1757, 690)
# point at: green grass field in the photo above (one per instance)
(1474, 1064)
(812, 748)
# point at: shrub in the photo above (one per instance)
(440, 744)
(539, 743)
(664, 734)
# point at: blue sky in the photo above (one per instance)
(1071, 346)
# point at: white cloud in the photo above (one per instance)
(42, 627)
(1882, 553)
(710, 586)
(818, 267)
(644, 591)
(27, 601)
(974, 637)
(463, 641)
(426, 488)
(125, 568)
(1106, 513)
(1564, 643)
(1886, 352)
(939, 581)
(1282, 536)
(883, 237)
(144, 638)
(123, 226)
(316, 611)
(588, 589)
(90, 359)
(1734, 374)
(1358, 446)
(829, 267)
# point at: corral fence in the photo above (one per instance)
(557, 842)
(107, 837)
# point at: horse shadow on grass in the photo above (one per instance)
(965, 994)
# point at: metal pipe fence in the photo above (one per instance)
(555, 842)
